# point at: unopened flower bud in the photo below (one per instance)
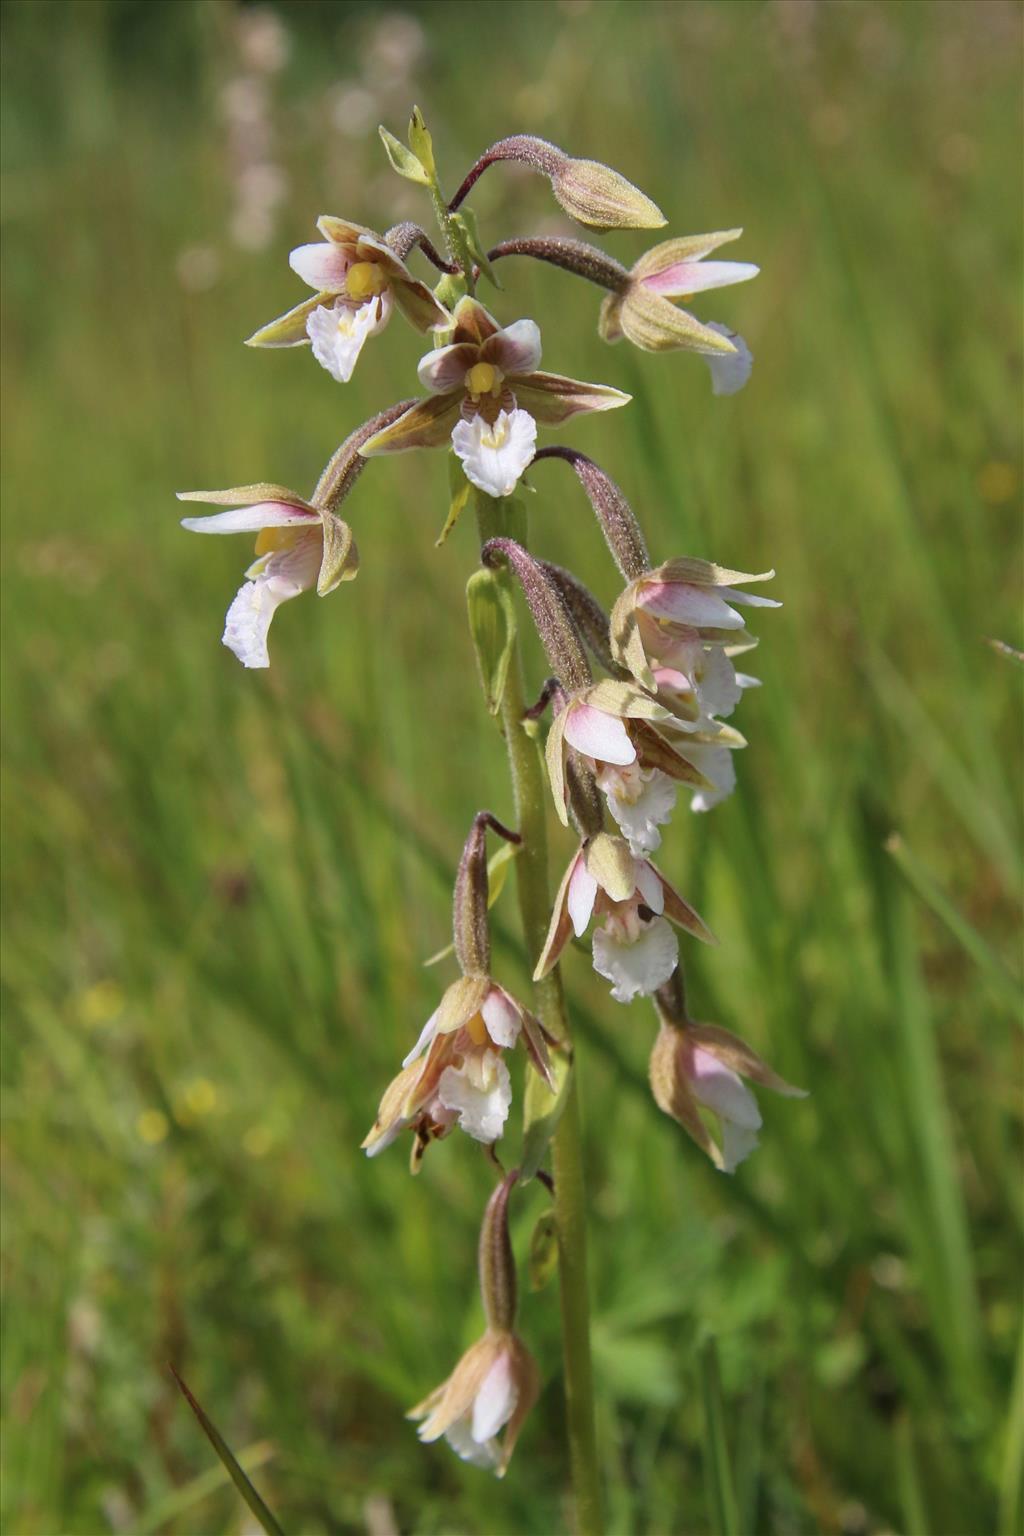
(590, 192)
(497, 1266)
(470, 924)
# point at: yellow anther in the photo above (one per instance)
(476, 1029)
(365, 280)
(483, 379)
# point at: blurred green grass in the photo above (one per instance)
(219, 886)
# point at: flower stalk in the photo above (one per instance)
(500, 518)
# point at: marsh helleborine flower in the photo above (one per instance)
(358, 281)
(635, 949)
(298, 547)
(644, 312)
(486, 398)
(700, 1066)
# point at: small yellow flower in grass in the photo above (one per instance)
(100, 1004)
(152, 1127)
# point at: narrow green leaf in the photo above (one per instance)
(542, 1111)
(402, 159)
(908, 1481)
(421, 143)
(1011, 1481)
(492, 624)
(234, 1471)
(466, 220)
(924, 884)
(716, 1449)
(460, 490)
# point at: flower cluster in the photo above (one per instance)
(641, 696)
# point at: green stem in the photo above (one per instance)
(496, 518)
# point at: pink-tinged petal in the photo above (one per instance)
(426, 1035)
(749, 599)
(323, 265)
(718, 1088)
(695, 606)
(496, 1399)
(516, 349)
(552, 399)
(581, 896)
(648, 883)
(687, 248)
(598, 735)
(501, 1017)
(445, 369)
(265, 514)
(686, 277)
(427, 424)
(668, 677)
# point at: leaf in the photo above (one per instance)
(542, 1110)
(543, 1259)
(466, 220)
(460, 490)
(492, 624)
(421, 143)
(229, 1463)
(402, 159)
(716, 1449)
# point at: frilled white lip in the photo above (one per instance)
(637, 967)
(640, 801)
(271, 581)
(338, 334)
(494, 455)
(479, 1092)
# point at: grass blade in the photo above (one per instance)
(229, 1463)
(716, 1450)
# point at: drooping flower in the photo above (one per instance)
(492, 1388)
(455, 1074)
(664, 614)
(640, 799)
(298, 547)
(643, 311)
(486, 397)
(614, 726)
(494, 1385)
(701, 1066)
(358, 280)
(635, 949)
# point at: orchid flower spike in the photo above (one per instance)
(698, 1067)
(635, 949)
(487, 397)
(644, 313)
(298, 547)
(495, 1384)
(358, 279)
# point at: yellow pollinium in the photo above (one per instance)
(476, 1029)
(484, 379)
(365, 280)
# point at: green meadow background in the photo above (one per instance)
(220, 886)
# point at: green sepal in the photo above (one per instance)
(466, 220)
(492, 624)
(542, 1110)
(543, 1259)
(460, 488)
(497, 876)
(340, 558)
(402, 159)
(421, 143)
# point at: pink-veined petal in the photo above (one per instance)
(597, 735)
(322, 265)
(265, 514)
(581, 895)
(445, 368)
(501, 1017)
(698, 607)
(552, 399)
(495, 1400)
(686, 277)
(516, 349)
